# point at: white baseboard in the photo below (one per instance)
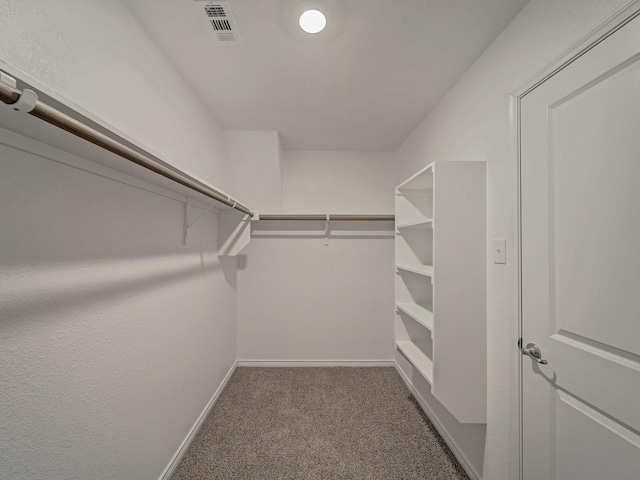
(166, 475)
(315, 363)
(453, 446)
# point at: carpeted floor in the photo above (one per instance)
(317, 424)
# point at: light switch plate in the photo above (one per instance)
(500, 250)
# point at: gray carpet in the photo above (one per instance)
(317, 424)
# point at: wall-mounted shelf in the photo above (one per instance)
(417, 358)
(419, 313)
(426, 270)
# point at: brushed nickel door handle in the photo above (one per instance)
(533, 351)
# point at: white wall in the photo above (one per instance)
(302, 299)
(472, 123)
(338, 182)
(254, 162)
(113, 334)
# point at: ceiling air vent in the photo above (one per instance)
(220, 22)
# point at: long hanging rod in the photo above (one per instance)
(330, 217)
(11, 95)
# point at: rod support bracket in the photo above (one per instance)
(26, 102)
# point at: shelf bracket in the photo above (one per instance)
(187, 224)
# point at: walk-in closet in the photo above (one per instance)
(319, 240)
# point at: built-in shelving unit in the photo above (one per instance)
(440, 284)
(414, 265)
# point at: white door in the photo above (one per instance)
(580, 213)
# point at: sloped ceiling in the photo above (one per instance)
(362, 84)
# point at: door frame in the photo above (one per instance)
(586, 43)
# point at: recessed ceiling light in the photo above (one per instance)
(312, 21)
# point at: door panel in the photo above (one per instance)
(584, 433)
(580, 213)
(594, 168)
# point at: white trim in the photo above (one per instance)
(453, 446)
(315, 363)
(515, 331)
(586, 43)
(166, 475)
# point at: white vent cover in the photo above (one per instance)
(220, 22)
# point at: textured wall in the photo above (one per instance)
(113, 335)
(254, 162)
(299, 299)
(472, 123)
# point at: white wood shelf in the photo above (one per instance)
(426, 270)
(417, 358)
(420, 314)
(424, 223)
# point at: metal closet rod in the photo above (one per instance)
(10, 96)
(330, 217)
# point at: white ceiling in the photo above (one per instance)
(362, 84)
